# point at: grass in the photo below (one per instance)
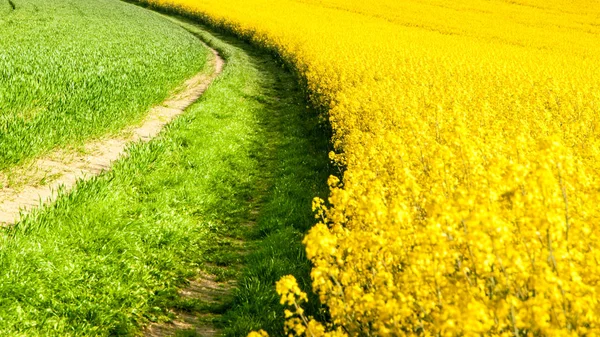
(294, 173)
(109, 257)
(72, 70)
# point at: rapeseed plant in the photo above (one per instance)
(469, 134)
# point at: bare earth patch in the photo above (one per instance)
(38, 183)
(205, 288)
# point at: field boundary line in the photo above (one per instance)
(65, 170)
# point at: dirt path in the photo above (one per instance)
(62, 170)
(206, 289)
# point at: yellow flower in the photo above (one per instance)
(469, 136)
(259, 333)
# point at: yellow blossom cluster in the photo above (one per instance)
(297, 323)
(469, 131)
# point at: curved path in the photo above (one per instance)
(66, 169)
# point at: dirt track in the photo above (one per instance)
(64, 170)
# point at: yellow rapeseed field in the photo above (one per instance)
(469, 131)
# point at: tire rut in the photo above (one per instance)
(207, 289)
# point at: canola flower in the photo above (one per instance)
(469, 133)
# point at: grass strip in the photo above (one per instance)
(294, 173)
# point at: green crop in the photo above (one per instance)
(75, 70)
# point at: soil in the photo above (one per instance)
(205, 288)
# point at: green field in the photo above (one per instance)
(72, 70)
(225, 189)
